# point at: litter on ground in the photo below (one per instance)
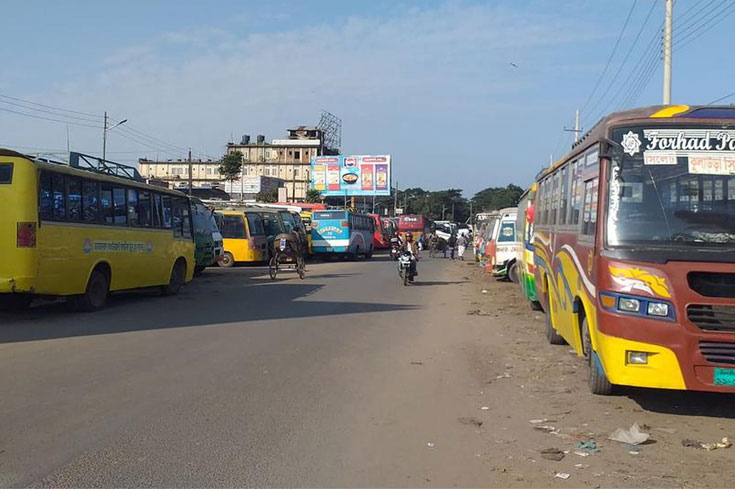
(630, 436)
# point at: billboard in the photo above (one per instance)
(351, 175)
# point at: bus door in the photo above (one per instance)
(257, 237)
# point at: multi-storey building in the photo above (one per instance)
(177, 171)
(287, 159)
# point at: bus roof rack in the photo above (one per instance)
(96, 164)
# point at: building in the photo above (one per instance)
(246, 188)
(174, 172)
(287, 159)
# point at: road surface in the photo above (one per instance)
(346, 379)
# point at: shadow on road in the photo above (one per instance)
(437, 283)
(218, 297)
(696, 403)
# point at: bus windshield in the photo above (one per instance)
(671, 187)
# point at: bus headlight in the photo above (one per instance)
(658, 309)
(630, 305)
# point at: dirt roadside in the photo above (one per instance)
(521, 378)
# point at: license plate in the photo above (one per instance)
(724, 376)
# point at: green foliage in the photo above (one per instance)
(231, 165)
(445, 204)
(494, 198)
(269, 195)
(313, 196)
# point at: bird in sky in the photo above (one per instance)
(514, 65)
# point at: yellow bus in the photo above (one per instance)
(306, 220)
(244, 235)
(84, 229)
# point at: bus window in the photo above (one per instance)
(121, 216)
(287, 221)
(167, 208)
(157, 211)
(255, 224)
(57, 197)
(272, 225)
(589, 218)
(507, 232)
(144, 208)
(133, 207)
(46, 208)
(6, 173)
(233, 226)
(90, 201)
(106, 200)
(74, 198)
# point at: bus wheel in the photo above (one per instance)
(596, 377)
(369, 255)
(227, 260)
(513, 272)
(15, 302)
(95, 296)
(177, 280)
(551, 335)
(199, 269)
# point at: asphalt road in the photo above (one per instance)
(347, 378)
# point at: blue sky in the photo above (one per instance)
(429, 82)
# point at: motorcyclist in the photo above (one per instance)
(411, 246)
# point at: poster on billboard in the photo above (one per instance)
(351, 175)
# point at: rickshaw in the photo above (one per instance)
(288, 253)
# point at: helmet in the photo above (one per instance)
(409, 237)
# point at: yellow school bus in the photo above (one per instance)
(244, 237)
(83, 229)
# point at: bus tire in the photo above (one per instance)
(596, 377)
(177, 279)
(226, 261)
(199, 269)
(95, 296)
(536, 306)
(15, 301)
(369, 255)
(551, 334)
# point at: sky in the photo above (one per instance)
(462, 94)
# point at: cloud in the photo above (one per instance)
(432, 86)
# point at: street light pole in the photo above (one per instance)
(105, 129)
(669, 20)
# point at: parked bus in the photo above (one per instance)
(306, 221)
(416, 224)
(245, 239)
(381, 239)
(502, 248)
(635, 249)
(524, 236)
(344, 233)
(80, 231)
(207, 238)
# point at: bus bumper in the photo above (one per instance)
(16, 285)
(661, 371)
(679, 365)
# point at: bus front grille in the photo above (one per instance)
(718, 352)
(718, 318)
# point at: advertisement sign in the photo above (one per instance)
(351, 175)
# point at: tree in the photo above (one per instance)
(313, 196)
(231, 166)
(267, 195)
(494, 198)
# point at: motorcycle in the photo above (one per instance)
(405, 267)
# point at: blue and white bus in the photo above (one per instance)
(335, 232)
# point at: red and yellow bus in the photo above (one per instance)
(416, 224)
(380, 236)
(634, 249)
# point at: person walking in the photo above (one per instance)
(461, 246)
(452, 245)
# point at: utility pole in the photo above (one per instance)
(669, 21)
(576, 125)
(104, 138)
(191, 178)
(395, 200)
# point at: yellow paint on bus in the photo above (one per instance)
(50, 243)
